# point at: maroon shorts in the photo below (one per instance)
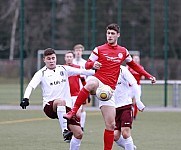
(124, 117)
(48, 110)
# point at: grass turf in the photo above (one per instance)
(31, 129)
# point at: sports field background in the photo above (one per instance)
(152, 95)
(31, 129)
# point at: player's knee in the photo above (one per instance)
(92, 85)
(110, 125)
(126, 133)
(78, 135)
(116, 136)
(60, 102)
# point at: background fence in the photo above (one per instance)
(151, 27)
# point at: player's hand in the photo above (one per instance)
(142, 110)
(153, 80)
(24, 103)
(97, 65)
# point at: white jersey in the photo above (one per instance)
(81, 62)
(126, 88)
(54, 83)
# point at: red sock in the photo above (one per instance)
(135, 111)
(81, 98)
(108, 139)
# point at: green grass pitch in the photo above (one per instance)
(32, 130)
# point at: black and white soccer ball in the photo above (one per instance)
(104, 92)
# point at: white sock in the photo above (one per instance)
(75, 143)
(82, 119)
(129, 143)
(120, 142)
(61, 110)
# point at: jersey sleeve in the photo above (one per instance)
(128, 57)
(128, 76)
(94, 55)
(77, 71)
(36, 79)
(33, 84)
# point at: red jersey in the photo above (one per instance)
(136, 75)
(111, 57)
(75, 83)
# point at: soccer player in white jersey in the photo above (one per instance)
(126, 89)
(107, 59)
(78, 60)
(54, 83)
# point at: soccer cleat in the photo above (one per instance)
(69, 115)
(135, 147)
(67, 135)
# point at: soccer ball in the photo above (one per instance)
(104, 92)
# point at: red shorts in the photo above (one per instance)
(48, 110)
(124, 117)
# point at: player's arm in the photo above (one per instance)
(92, 61)
(139, 69)
(133, 87)
(136, 96)
(31, 86)
(77, 71)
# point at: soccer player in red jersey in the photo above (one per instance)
(138, 78)
(76, 83)
(107, 59)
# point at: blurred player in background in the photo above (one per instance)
(53, 80)
(126, 89)
(107, 59)
(76, 83)
(138, 77)
(78, 60)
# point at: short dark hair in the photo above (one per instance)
(49, 51)
(69, 51)
(113, 26)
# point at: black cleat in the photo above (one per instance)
(67, 135)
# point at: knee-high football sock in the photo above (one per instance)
(129, 143)
(108, 139)
(120, 142)
(75, 143)
(61, 110)
(82, 119)
(81, 98)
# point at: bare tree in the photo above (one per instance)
(13, 31)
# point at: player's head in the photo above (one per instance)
(136, 58)
(112, 33)
(69, 56)
(50, 58)
(78, 50)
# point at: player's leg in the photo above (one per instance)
(126, 124)
(91, 85)
(82, 116)
(127, 139)
(117, 132)
(60, 108)
(108, 113)
(77, 136)
(118, 138)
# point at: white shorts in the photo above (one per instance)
(110, 102)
